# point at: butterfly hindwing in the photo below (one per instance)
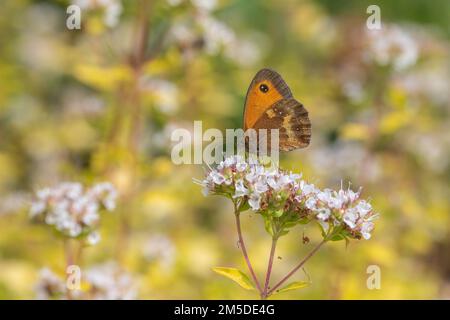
(291, 118)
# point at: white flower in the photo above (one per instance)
(310, 203)
(91, 215)
(112, 9)
(160, 247)
(74, 229)
(205, 190)
(72, 210)
(49, 285)
(230, 161)
(324, 195)
(217, 177)
(37, 208)
(93, 238)
(350, 217)
(105, 282)
(363, 208)
(73, 190)
(164, 93)
(44, 194)
(352, 196)
(260, 186)
(336, 210)
(241, 190)
(110, 282)
(366, 228)
(241, 166)
(254, 173)
(393, 45)
(306, 188)
(207, 5)
(323, 213)
(336, 202)
(278, 181)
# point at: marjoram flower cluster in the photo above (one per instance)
(287, 199)
(73, 210)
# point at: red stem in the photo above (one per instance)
(269, 266)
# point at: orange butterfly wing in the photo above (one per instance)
(270, 105)
(257, 101)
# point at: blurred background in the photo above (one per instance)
(99, 104)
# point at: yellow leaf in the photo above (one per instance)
(394, 121)
(355, 131)
(104, 78)
(397, 98)
(236, 275)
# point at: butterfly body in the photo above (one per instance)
(269, 104)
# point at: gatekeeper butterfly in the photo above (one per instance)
(269, 104)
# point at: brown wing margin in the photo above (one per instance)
(291, 118)
(275, 78)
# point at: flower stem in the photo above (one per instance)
(68, 252)
(296, 268)
(269, 267)
(244, 251)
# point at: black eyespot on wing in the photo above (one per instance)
(275, 79)
(263, 88)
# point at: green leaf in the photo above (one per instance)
(303, 221)
(294, 286)
(244, 206)
(236, 275)
(268, 225)
(337, 237)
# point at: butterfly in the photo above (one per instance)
(269, 104)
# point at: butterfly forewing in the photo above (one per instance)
(257, 102)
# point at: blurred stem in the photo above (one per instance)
(69, 261)
(68, 252)
(244, 250)
(79, 253)
(73, 253)
(269, 266)
(138, 59)
(297, 267)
